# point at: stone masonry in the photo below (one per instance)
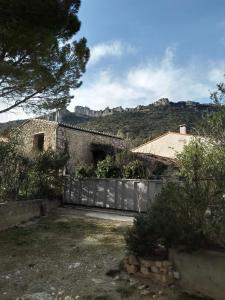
(59, 137)
(160, 271)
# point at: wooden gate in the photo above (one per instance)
(121, 194)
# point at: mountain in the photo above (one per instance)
(140, 123)
(146, 122)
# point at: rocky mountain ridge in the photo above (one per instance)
(81, 113)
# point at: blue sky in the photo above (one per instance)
(147, 49)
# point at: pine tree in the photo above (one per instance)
(40, 61)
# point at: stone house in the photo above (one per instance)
(84, 146)
(166, 145)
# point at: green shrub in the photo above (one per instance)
(135, 169)
(85, 172)
(22, 177)
(107, 168)
(188, 214)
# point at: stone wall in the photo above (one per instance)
(80, 142)
(36, 126)
(160, 271)
(13, 213)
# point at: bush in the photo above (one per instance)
(188, 214)
(135, 169)
(22, 177)
(107, 168)
(84, 172)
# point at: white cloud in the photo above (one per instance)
(144, 84)
(12, 115)
(109, 49)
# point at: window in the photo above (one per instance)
(38, 143)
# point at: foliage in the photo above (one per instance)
(213, 127)
(39, 61)
(85, 172)
(139, 126)
(22, 177)
(134, 169)
(188, 214)
(123, 164)
(107, 168)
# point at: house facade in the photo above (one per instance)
(167, 145)
(84, 146)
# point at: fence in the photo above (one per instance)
(122, 194)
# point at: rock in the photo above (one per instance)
(60, 293)
(68, 298)
(164, 270)
(74, 265)
(97, 281)
(116, 278)
(154, 269)
(176, 275)
(145, 292)
(133, 282)
(158, 264)
(146, 263)
(36, 296)
(167, 263)
(163, 278)
(141, 287)
(144, 270)
(131, 269)
(133, 260)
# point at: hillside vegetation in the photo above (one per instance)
(149, 121)
(139, 124)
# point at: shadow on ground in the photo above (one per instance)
(68, 256)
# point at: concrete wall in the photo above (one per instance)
(167, 145)
(80, 143)
(35, 126)
(122, 194)
(202, 273)
(13, 213)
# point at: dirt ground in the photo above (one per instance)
(68, 256)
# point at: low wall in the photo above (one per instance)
(13, 213)
(160, 271)
(202, 272)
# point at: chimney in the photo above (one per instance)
(183, 129)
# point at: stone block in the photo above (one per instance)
(144, 270)
(146, 263)
(176, 275)
(154, 269)
(158, 264)
(164, 278)
(167, 263)
(163, 270)
(133, 260)
(131, 269)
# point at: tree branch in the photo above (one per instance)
(16, 104)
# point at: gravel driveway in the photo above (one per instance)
(71, 254)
